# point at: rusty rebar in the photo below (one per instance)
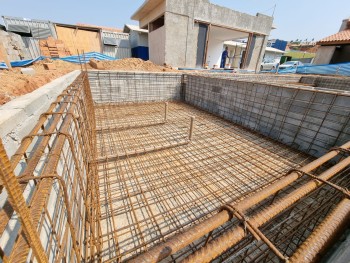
(321, 238)
(180, 241)
(166, 111)
(18, 203)
(230, 238)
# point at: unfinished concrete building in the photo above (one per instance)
(190, 33)
(110, 166)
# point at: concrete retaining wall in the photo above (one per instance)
(19, 116)
(267, 78)
(310, 120)
(116, 87)
(337, 83)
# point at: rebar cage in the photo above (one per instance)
(102, 178)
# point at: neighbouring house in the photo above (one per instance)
(236, 51)
(138, 41)
(187, 33)
(335, 48)
(272, 54)
(30, 38)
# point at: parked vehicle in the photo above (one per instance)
(290, 64)
(270, 64)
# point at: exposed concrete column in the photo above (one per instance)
(257, 53)
(324, 55)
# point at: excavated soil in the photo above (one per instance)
(132, 64)
(13, 83)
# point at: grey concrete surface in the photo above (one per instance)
(117, 87)
(307, 119)
(181, 30)
(19, 116)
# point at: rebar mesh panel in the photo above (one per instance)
(308, 120)
(153, 195)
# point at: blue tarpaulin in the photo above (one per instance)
(88, 56)
(23, 63)
(3, 65)
(73, 59)
(340, 69)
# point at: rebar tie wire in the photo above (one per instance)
(340, 150)
(256, 233)
(344, 191)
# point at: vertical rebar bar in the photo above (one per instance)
(191, 128)
(14, 191)
(166, 112)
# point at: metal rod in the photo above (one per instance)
(233, 236)
(166, 112)
(180, 241)
(322, 236)
(191, 128)
(18, 203)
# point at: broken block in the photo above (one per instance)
(49, 66)
(28, 71)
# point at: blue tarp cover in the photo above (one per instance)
(88, 56)
(23, 63)
(3, 65)
(72, 59)
(340, 69)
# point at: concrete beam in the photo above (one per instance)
(19, 116)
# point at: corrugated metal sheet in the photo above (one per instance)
(116, 52)
(110, 41)
(32, 46)
(39, 28)
(18, 28)
(120, 47)
(40, 33)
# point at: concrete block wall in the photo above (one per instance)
(117, 87)
(337, 83)
(310, 120)
(268, 78)
(19, 116)
(65, 154)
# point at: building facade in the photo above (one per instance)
(191, 33)
(335, 48)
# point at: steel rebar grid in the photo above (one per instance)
(232, 237)
(149, 198)
(323, 235)
(292, 227)
(18, 203)
(61, 143)
(182, 240)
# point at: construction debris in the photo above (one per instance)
(28, 71)
(49, 66)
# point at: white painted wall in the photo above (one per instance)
(142, 39)
(214, 53)
(157, 46)
(271, 56)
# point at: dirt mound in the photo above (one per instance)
(132, 64)
(13, 83)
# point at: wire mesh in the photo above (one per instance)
(53, 167)
(153, 195)
(309, 120)
(109, 181)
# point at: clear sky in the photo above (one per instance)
(294, 19)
